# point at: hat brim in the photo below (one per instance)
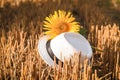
(43, 51)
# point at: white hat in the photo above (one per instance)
(63, 47)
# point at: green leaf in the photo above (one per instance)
(83, 31)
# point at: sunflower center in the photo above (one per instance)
(62, 27)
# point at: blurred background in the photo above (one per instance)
(93, 12)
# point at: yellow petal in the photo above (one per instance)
(60, 22)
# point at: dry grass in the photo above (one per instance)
(19, 57)
(107, 40)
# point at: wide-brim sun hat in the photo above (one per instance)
(64, 46)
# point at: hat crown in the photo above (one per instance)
(68, 43)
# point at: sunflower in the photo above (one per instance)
(60, 22)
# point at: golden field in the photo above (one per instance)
(21, 28)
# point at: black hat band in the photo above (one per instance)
(50, 52)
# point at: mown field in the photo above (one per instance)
(21, 27)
